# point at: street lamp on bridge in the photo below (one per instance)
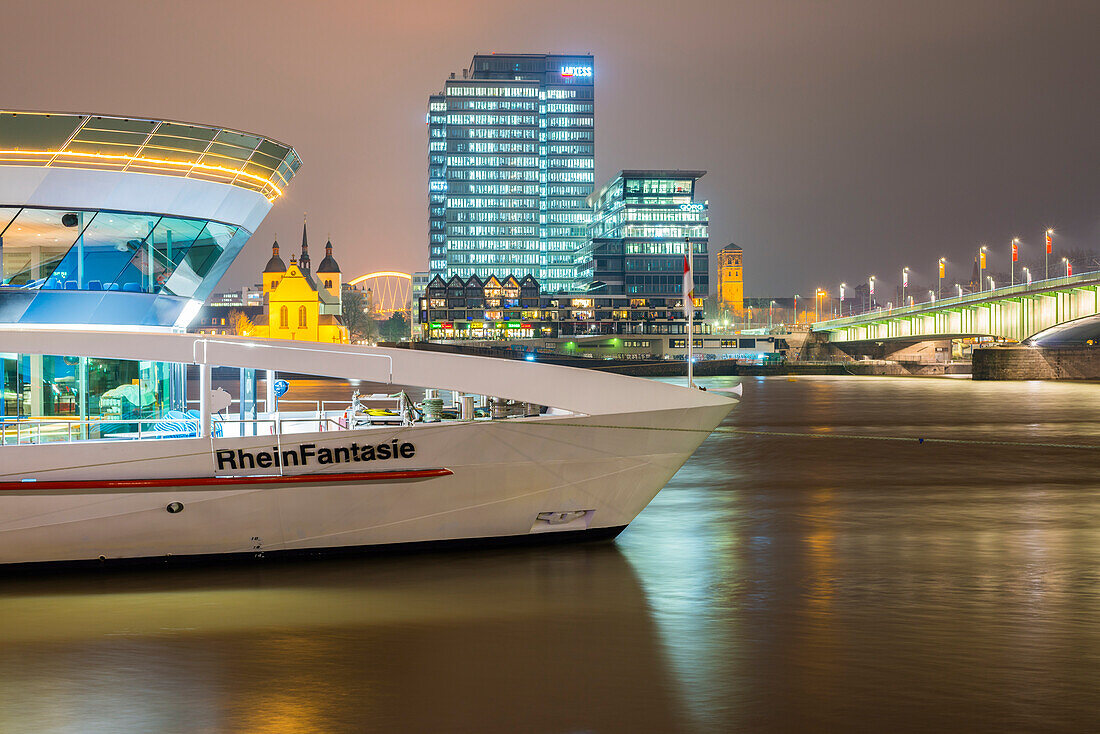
(992, 283)
(904, 283)
(981, 266)
(1027, 275)
(871, 293)
(842, 287)
(943, 272)
(931, 296)
(1015, 257)
(770, 307)
(1069, 266)
(818, 294)
(959, 288)
(1050, 249)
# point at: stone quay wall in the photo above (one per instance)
(1037, 363)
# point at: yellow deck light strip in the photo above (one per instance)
(129, 159)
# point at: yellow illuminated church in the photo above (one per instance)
(299, 304)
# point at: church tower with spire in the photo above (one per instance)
(328, 274)
(303, 259)
(275, 268)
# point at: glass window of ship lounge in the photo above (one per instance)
(200, 258)
(153, 264)
(94, 398)
(6, 215)
(108, 241)
(34, 243)
(120, 390)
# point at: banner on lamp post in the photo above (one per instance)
(689, 288)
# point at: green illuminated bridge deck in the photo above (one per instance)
(1012, 312)
(140, 145)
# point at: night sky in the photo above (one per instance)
(841, 138)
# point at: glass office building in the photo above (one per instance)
(511, 161)
(643, 223)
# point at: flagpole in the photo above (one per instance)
(689, 305)
(691, 341)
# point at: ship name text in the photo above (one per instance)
(308, 453)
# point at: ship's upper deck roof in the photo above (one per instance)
(144, 145)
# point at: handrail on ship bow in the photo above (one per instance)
(204, 367)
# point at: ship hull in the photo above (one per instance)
(520, 480)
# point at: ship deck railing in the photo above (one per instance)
(37, 430)
(29, 430)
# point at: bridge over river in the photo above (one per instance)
(1011, 312)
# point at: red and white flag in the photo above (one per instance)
(689, 288)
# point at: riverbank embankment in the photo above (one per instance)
(712, 367)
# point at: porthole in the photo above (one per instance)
(174, 507)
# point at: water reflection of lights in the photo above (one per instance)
(782, 583)
(400, 644)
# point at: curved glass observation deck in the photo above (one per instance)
(95, 253)
(147, 146)
(125, 221)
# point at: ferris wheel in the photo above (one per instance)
(390, 290)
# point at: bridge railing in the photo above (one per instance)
(1036, 287)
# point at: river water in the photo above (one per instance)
(814, 567)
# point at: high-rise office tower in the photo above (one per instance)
(511, 160)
